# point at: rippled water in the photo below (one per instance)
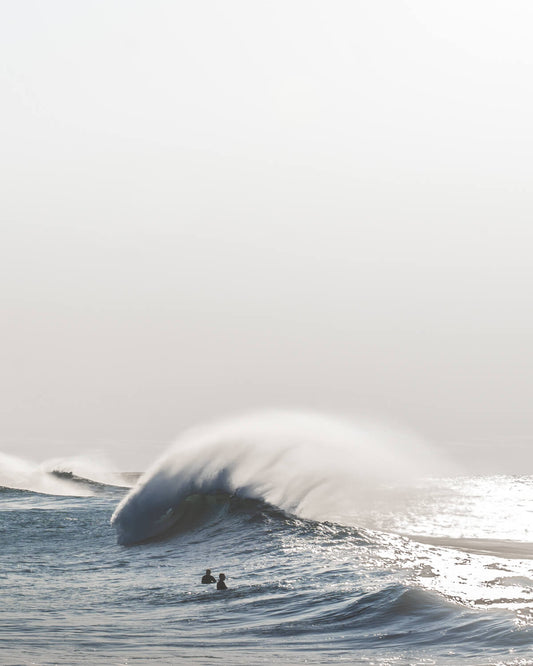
(445, 576)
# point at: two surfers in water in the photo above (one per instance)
(208, 578)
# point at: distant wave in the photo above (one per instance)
(90, 483)
(93, 469)
(309, 465)
(80, 476)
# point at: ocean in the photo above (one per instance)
(340, 544)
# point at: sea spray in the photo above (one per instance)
(315, 466)
(26, 475)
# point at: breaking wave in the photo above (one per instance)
(78, 476)
(313, 466)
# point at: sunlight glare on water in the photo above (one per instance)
(467, 540)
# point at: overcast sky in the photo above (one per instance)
(215, 206)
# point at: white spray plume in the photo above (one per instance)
(315, 466)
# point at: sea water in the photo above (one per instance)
(338, 545)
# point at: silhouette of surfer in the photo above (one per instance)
(208, 578)
(221, 585)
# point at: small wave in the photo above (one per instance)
(93, 470)
(21, 474)
(396, 614)
(89, 483)
(80, 476)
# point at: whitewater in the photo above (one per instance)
(341, 542)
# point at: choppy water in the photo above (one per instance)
(437, 571)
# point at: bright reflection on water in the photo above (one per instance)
(497, 507)
(467, 538)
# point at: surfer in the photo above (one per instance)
(221, 585)
(208, 578)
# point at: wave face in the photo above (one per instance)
(313, 466)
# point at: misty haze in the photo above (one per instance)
(267, 306)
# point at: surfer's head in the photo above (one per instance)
(221, 576)
(208, 572)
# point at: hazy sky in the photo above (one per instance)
(208, 207)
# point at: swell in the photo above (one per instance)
(396, 615)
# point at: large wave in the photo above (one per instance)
(314, 466)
